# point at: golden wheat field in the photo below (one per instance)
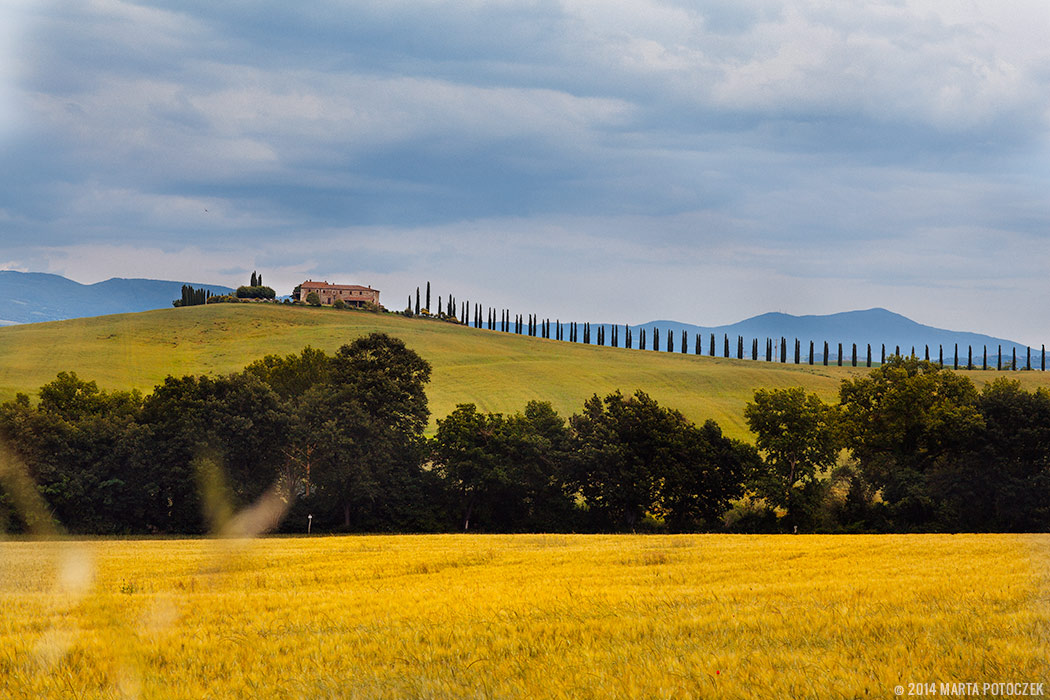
(525, 616)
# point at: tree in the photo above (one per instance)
(797, 435)
(902, 422)
(312, 299)
(369, 418)
(255, 280)
(428, 295)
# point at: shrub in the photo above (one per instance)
(312, 299)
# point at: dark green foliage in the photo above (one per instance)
(656, 340)
(192, 297)
(313, 300)
(903, 422)
(255, 292)
(633, 457)
(798, 437)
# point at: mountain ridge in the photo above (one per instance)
(36, 297)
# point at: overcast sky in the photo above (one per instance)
(596, 159)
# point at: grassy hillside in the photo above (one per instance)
(497, 371)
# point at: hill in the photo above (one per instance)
(872, 326)
(497, 371)
(31, 297)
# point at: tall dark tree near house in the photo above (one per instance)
(712, 348)
(853, 359)
(754, 349)
(869, 355)
(955, 360)
(409, 307)
(825, 353)
(769, 349)
(1013, 359)
(927, 353)
(685, 342)
(428, 295)
(798, 351)
(440, 308)
(811, 352)
(740, 347)
(882, 359)
(656, 339)
(969, 357)
(255, 280)
(670, 341)
(1028, 364)
(698, 344)
(897, 351)
(783, 350)
(259, 280)
(984, 358)
(725, 345)
(641, 339)
(940, 355)
(417, 301)
(840, 355)
(999, 359)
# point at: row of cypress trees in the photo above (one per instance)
(776, 350)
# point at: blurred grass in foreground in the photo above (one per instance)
(521, 616)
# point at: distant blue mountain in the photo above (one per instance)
(872, 326)
(31, 297)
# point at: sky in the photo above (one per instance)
(609, 160)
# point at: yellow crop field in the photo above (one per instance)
(526, 616)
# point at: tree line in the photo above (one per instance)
(775, 349)
(911, 446)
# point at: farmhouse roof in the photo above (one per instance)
(325, 285)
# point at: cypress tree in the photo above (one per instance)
(1042, 363)
(712, 353)
(783, 350)
(685, 342)
(417, 301)
(927, 355)
(969, 357)
(798, 350)
(670, 341)
(955, 363)
(698, 343)
(1028, 364)
(769, 349)
(999, 359)
(627, 336)
(940, 355)
(883, 360)
(1013, 359)
(840, 355)
(754, 349)
(641, 340)
(869, 355)
(740, 347)
(254, 281)
(811, 352)
(825, 353)
(725, 345)
(656, 340)
(853, 358)
(897, 351)
(984, 359)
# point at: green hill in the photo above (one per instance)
(497, 371)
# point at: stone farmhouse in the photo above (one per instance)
(351, 294)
